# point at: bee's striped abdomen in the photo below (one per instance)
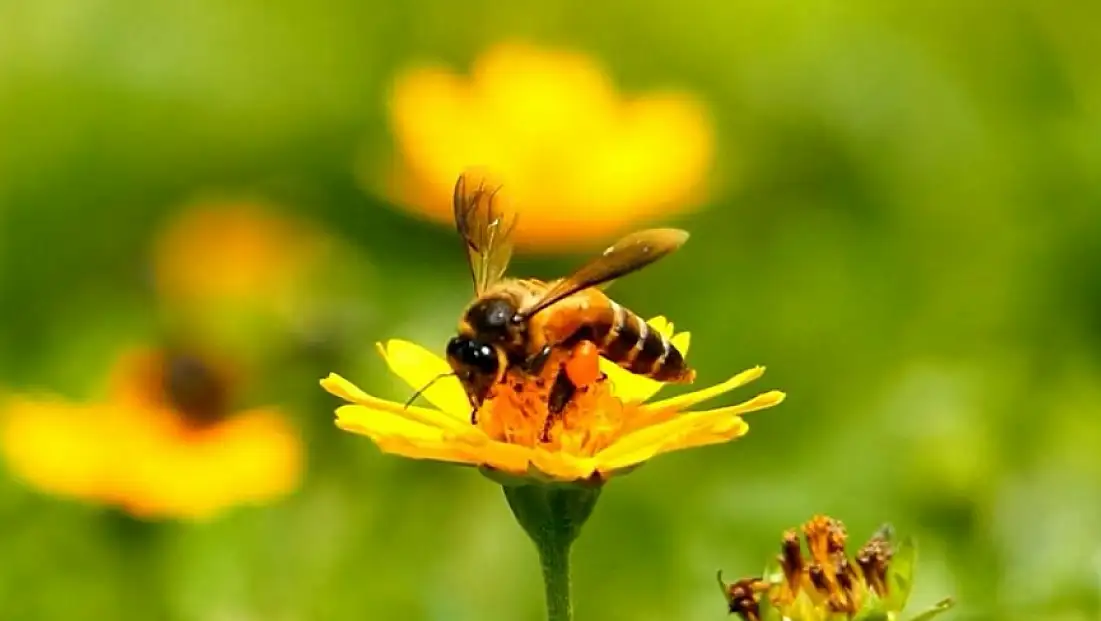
(631, 343)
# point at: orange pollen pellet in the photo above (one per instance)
(583, 367)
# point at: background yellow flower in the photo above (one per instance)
(581, 160)
(159, 446)
(221, 251)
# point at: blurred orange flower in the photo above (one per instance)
(582, 161)
(232, 251)
(165, 444)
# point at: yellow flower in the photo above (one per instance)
(165, 444)
(830, 585)
(605, 429)
(232, 251)
(583, 161)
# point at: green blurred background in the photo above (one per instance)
(909, 238)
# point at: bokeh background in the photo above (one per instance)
(897, 209)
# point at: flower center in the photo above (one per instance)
(520, 412)
(194, 390)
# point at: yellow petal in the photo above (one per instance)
(375, 423)
(348, 391)
(562, 466)
(399, 435)
(681, 341)
(661, 324)
(687, 400)
(418, 366)
(685, 431)
(762, 401)
(630, 388)
(58, 447)
(674, 434)
(511, 458)
(428, 449)
(250, 457)
(717, 433)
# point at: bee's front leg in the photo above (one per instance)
(475, 405)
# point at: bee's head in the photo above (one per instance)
(477, 364)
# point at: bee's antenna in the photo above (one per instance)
(421, 390)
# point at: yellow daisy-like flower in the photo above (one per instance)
(165, 444)
(584, 161)
(606, 428)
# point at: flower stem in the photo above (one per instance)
(556, 581)
(552, 516)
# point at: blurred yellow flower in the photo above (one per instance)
(582, 161)
(165, 444)
(232, 251)
(830, 585)
(605, 429)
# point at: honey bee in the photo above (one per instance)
(516, 324)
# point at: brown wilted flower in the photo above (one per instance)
(823, 583)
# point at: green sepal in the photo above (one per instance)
(552, 514)
(900, 575)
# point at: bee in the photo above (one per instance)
(516, 324)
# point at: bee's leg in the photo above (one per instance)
(561, 393)
(535, 363)
(475, 405)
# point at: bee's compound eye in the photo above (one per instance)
(472, 354)
(455, 347)
(485, 358)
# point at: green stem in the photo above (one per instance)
(552, 516)
(556, 580)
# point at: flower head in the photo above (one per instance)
(827, 584)
(166, 443)
(583, 160)
(606, 427)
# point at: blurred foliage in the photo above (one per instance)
(907, 232)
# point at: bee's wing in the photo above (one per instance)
(486, 229)
(631, 253)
